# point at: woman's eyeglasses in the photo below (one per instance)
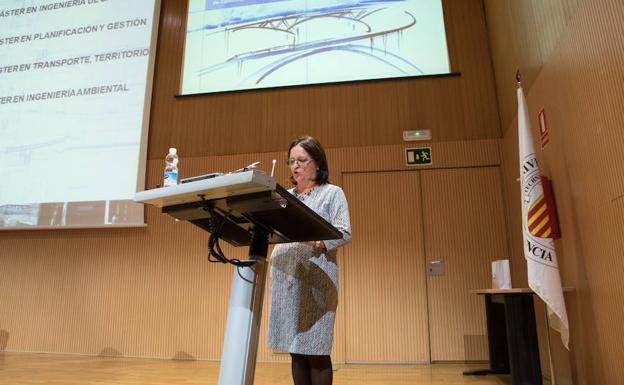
(298, 162)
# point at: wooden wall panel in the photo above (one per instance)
(150, 291)
(444, 155)
(99, 293)
(477, 71)
(384, 270)
(580, 87)
(523, 35)
(464, 226)
(341, 115)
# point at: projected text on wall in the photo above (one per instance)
(73, 78)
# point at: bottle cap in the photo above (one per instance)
(172, 151)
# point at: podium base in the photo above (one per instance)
(242, 331)
(483, 372)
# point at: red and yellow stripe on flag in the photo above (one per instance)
(538, 220)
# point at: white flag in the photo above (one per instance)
(539, 248)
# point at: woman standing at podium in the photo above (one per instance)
(304, 276)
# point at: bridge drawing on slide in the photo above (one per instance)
(364, 39)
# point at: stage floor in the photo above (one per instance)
(57, 369)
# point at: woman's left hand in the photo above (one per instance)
(315, 244)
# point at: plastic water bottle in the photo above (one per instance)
(171, 168)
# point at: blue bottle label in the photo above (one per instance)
(171, 178)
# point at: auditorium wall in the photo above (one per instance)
(150, 292)
(460, 107)
(571, 54)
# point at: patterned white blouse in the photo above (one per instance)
(304, 281)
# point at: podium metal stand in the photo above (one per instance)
(248, 209)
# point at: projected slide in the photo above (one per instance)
(73, 81)
(248, 44)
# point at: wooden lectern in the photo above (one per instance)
(245, 209)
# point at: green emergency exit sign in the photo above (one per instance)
(417, 156)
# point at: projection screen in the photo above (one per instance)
(75, 88)
(249, 44)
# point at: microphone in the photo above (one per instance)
(252, 166)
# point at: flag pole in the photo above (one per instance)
(553, 380)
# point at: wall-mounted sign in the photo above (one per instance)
(435, 267)
(543, 128)
(413, 135)
(418, 156)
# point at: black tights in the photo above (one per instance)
(311, 370)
